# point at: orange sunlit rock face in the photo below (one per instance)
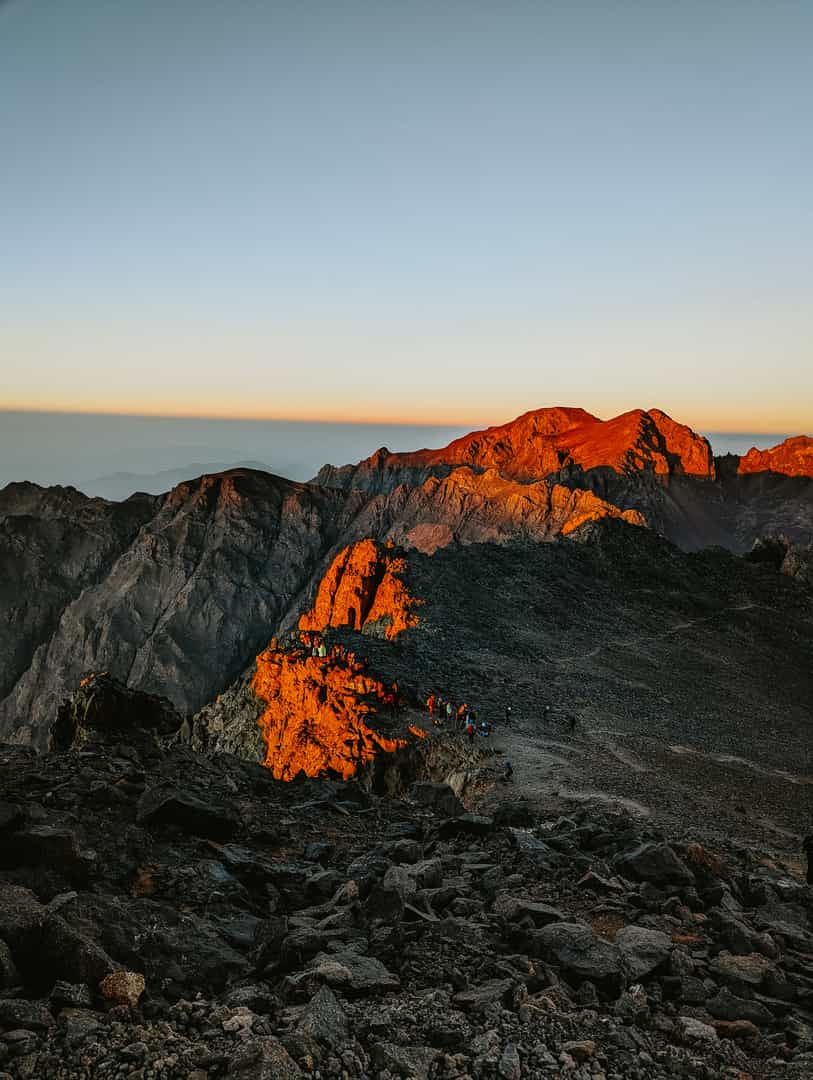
(363, 589)
(543, 442)
(793, 457)
(316, 713)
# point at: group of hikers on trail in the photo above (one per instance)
(445, 710)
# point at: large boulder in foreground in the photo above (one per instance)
(583, 957)
(103, 707)
(655, 863)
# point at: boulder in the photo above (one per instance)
(438, 796)
(67, 953)
(655, 863)
(789, 920)
(123, 988)
(467, 825)
(583, 957)
(412, 1062)
(168, 805)
(263, 1059)
(103, 708)
(32, 1015)
(695, 1031)
(741, 972)
(21, 919)
(642, 950)
(57, 848)
(512, 909)
(478, 998)
(727, 1006)
(353, 972)
(325, 1020)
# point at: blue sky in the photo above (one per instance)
(426, 212)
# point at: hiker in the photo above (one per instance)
(449, 711)
(430, 704)
(322, 650)
(508, 771)
(507, 714)
(470, 729)
(807, 847)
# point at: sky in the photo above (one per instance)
(427, 213)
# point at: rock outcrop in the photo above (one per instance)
(363, 589)
(318, 714)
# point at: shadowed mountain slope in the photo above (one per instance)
(180, 600)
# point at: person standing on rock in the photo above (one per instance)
(470, 729)
(449, 711)
(807, 847)
(507, 715)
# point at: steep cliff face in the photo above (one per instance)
(363, 589)
(54, 543)
(318, 713)
(194, 593)
(793, 457)
(541, 444)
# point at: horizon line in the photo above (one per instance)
(356, 422)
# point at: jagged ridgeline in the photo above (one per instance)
(176, 595)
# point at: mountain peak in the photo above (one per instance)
(543, 442)
(793, 457)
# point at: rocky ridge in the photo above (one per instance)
(177, 594)
(793, 457)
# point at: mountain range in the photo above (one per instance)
(176, 594)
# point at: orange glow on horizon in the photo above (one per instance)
(440, 417)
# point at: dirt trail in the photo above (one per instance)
(557, 771)
(621, 643)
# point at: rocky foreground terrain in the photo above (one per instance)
(169, 915)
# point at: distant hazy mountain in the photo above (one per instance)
(120, 485)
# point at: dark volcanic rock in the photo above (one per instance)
(583, 957)
(168, 805)
(656, 863)
(103, 708)
(438, 796)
